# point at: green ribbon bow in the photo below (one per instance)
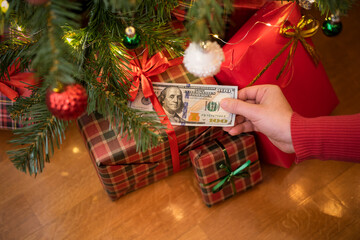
(230, 174)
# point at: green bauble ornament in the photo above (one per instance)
(131, 39)
(332, 26)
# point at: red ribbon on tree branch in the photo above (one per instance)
(18, 80)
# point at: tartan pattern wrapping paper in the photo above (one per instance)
(206, 161)
(5, 120)
(120, 168)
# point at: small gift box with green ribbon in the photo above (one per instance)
(226, 166)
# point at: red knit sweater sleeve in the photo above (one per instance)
(326, 138)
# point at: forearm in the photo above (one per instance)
(326, 138)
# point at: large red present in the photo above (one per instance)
(304, 84)
(226, 166)
(120, 167)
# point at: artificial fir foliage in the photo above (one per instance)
(333, 6)
(80, 41)
(36, 138)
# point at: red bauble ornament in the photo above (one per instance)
(37, 2)
(67, 104)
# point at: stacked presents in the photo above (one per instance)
(122, 169)
(223, 165)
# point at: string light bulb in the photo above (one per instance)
(256, 23)
(4, 6)
(69, 40)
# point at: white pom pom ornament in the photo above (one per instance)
(204, 59)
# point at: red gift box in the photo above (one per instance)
(120, 167)
(306, 86)
(225, 167)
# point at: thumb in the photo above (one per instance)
(239, 107)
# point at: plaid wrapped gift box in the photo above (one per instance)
(225, 167)
(120, 168)
(5, 120)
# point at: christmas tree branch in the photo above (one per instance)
(334, 6)
(40, 132)
(108, 76)
(40, 44)
(12, 52)
(42, 26)
(120, 5)
(61, 65)
(162, 37)
(142, 126)
(160, 9)
(22, 107)
(205, 17)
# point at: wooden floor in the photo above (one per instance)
(312, 200)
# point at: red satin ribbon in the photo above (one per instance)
(141, 73)
(179, 13)
(20, 80)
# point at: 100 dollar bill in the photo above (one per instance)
(190, 104)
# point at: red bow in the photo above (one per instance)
(142, 72)
(20, 80)
(141, 77)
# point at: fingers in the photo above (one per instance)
(239, 107)
(238, 120)
(248, 93)
(256, 93)
(250, 100)
(253, 94)
(239, 128)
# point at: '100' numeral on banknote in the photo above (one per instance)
(190, 104)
